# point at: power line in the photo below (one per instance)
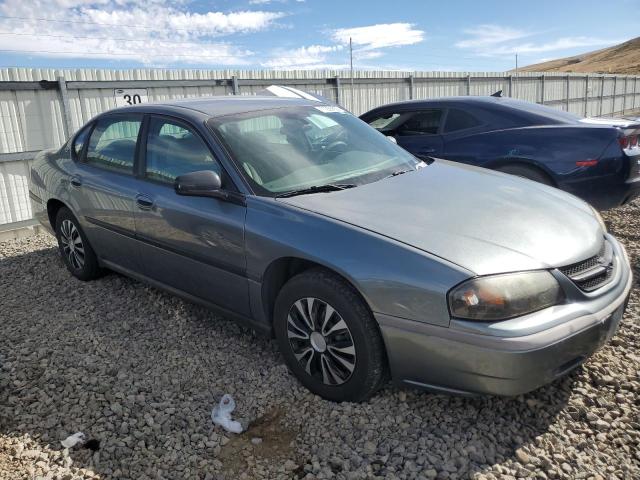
(120, 54)
(86, 22)
(83, 37)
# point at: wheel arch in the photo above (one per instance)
(524, 162)
(53, 207)
(282, 269)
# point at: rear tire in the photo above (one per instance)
(329, 338)
(74, 247)
(524, 171)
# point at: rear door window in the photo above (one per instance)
(112, 145)
(459, 120)
(423, 122)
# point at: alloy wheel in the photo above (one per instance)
(72, 246)
(321, 341)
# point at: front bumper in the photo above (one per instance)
(517, 356)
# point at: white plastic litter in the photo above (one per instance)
(221, 414)
(72, 440)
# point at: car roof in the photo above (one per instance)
(223, 105)
(478, 100)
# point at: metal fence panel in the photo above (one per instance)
(33, 115)
(14, 192)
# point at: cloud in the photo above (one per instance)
(314, 56)
(367, 42)
(495, 40)
(267, 2)
(564, 43)
(381, 35)
(146, 31)
(484, 36)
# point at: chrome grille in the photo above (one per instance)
(594, 272)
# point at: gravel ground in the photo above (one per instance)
(139, 371)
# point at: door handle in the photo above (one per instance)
(75, 181)
(144, 202)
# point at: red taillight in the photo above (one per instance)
(633, 140)
(586, 163)
(624, 142)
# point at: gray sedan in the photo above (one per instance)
(299, 220)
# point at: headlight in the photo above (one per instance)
(599, 218)
(499, 297)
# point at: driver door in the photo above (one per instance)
(192, 244)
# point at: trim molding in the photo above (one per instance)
(242, 272)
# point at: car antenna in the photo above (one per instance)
(497, 94)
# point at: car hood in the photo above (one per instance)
(484, 221)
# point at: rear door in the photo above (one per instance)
(418, 131)
(193, 244)
(104, 187)
(460, 124)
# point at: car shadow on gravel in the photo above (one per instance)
(139, 370)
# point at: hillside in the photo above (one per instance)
(623, 58)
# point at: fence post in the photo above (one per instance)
(568, 90)
(635, 91)
(66, 109)
(411, 94)
(234, 85)
(615, 87)
(586, 95)
(468, 85)
(602, 79)
(542, 89)
(511, 85)
(337, 80)
(624, 96)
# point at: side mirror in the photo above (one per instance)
(392, 139)
(204, 183)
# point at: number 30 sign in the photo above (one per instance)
(130, 96)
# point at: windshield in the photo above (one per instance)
(293, 148)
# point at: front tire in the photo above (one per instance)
(329, 338)
(74, 247)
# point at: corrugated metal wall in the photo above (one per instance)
(33, 118)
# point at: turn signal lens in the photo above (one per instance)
(500, 297)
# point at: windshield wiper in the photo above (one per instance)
(329, 187)
(420, 165)
(399, 172)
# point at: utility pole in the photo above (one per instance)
(351, 64)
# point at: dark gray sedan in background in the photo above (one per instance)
(298, 219)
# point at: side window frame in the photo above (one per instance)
(136, 154)
(81, 156)
(141, 171)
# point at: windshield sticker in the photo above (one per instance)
(330, 109)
